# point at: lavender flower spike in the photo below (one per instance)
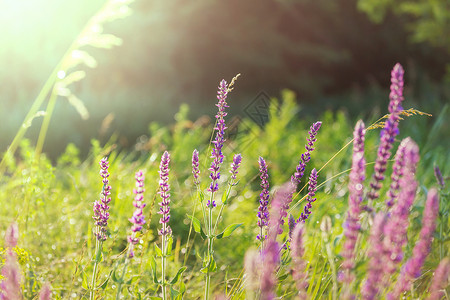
(195, 167)
(411, 270)
(439, 178)
(389, 131)
(237, 159)
(216, 153)
(396, 227)
(101, 207)
(370, 287)
(298, 263)
(164, 187)
(356, 193)
(10, 285)
(138, 219)
(46, 292)
(271, 250)
(440, 280)
(311, 196)
(306, 157)
(397, 170)
(263, 213)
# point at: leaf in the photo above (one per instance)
(99, 255)
(177, 276)
(283, 277)
(84, 282)
(79, 56)
(225, 197)
(27, 123)
(197, 226)
(201, 196)
(73, 77)
(174, 293)
(105, 283)
(228, 231)
(105, 41)
(153, 267)
(169, 246)
(155, 298)
(210, 267)
(114, 276)
(158, 251)
(79, 106)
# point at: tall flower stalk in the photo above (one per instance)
(356, 192)
(396, 227)
(138, 221)
(440, 280)
(388, 133)
(217, 156)
(12, 277)
(411, 270)
(312, 187)
(263, 211)
(101, 216)
(371, 285)
(271, 252)
(397, 173)
(298, 263)
(164, 211)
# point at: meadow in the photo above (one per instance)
(200, 221)
(265, 206)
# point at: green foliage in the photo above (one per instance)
(53, 205)
(427, 20)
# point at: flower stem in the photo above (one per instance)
(122, 277)
(98, 249)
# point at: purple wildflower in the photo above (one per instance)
(138, 219)
(440, 280)
(10, 285)
(164, 186)
(306, 157)
(271, 250)
(439, 178)
(46, 292)
(216, 153)
(390, 130)
(370, 287)
(396, 227)
(397, 170)
(237, 159)
(280, 205)
(195, 167)
(311, 196)
(298, 263)
(12, 235)
(355, 187)
(101, 207)
(411, 270)
(271, 259)
(252, 262)
(263, 213)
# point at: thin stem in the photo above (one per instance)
(221, 207)
(122, 277)
(163, 263)
(98, 249)
(45, 124)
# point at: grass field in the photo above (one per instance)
(52, 204)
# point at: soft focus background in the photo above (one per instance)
(331, 53)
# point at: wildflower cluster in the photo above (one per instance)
(101, 207)
(138, 219)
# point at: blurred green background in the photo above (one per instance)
(334, 54)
